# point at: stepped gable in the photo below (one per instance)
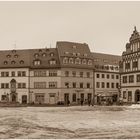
(14, 58)
(44, 58)
(135, 35)
(73, 54)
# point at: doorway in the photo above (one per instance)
(137, 96)
(24, 99)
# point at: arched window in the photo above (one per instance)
(89, 62)
(44, 54)
(5, 62)
(36, 55)
(77, 61)
(8, 56)
(51, 54)
(71, 60)
(65, 60)
(84, 61)
(21, 62)
(13, 62)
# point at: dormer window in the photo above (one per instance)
(21, 62)
(5, 62)
(15, 56)
(78, 54)
(84, 61)
(51, 54)
(65, 60)
(89, 62)
(71, 60)
(36, 55)
(85, 55)
(52, 62)
(44, 54)
(13, 62)
(77, 61)
(40, 50)
(74, 47)
(8, 56)
(74, 54)
(66, 53)
(37, 62)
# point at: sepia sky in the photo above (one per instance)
(105, 26)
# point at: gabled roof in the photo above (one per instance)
(135, 35)
(106, 59)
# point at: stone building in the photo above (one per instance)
(68, 73)
(130, 75)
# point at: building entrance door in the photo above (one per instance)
(66, 98)
(137, 96)
(14, 98)
(24, 99)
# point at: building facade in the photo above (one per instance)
(130, 74)
(106, 78)
(68, 73)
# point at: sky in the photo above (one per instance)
(105, 26)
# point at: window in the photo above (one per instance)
(117, 85)
(124, 94)
(127, 65)
(40, 73)
(103, 85)
(5, 85)
(124, 79)
(8, 56)
(138, 78)
(5, 62)
(52, 84)
(131, 78)
(107, 76)
(84, 61)
(36, 55)
(112, 76)
(112, 85)
(15, 56)
(21, 62)
(74, 74)
(37, 62)
(52, 62)
(103, 76)
(71, 61)
(21, 73)
(74, 84)
(21, 85)
(81, 85)
(65, 60)
(98, 75)
(51, 54)
(44, 54)
(74, 97)
(135, 64)
(129, 96)
(13, 74)
(89, 62)
(77, 61)
(3, 97)
(67, 73)
(39, 85)
(107, 85)
(88, 74)
(13, 62)
(4, 74)
(88, 85)
(52, 73)
(117, 76)
(66, 84)
(97, 85)
(81, 74)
